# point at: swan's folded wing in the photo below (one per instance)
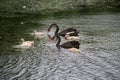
(75, 44)
(71, 44)
(65, 31)
(67, 45)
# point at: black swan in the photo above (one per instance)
(67, 45)
(70, 31)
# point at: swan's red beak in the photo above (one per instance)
(53, 39)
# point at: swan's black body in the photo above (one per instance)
(67, 45)
(65, 31)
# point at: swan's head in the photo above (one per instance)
(22, 40)
(48, 30)
(54, 24)
(35, 30)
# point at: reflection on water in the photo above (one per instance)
(98, 60)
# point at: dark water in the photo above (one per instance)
(100, 49)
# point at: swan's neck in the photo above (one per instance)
(58, 43)
(57, 28)
(49, 36)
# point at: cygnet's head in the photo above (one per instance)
(22, 39)
(35, 30)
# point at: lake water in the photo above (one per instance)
(99, 58)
